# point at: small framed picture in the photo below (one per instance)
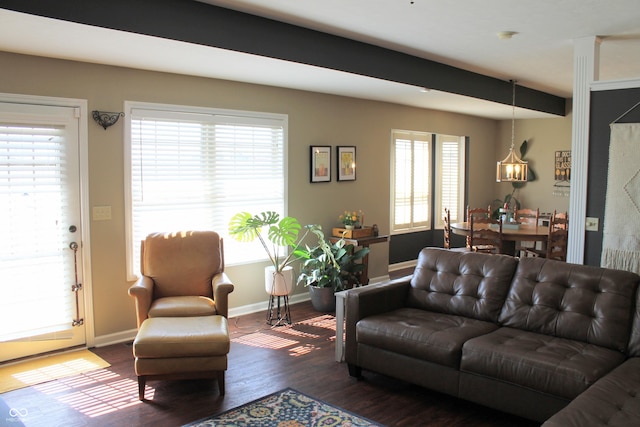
(320, 163)
(346, 163)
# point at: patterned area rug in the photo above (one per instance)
(285, 408)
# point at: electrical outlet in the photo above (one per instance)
(591, 224)
(101, 213)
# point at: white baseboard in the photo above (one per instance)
(116, 338)
(130, 335)
(262, 306)
(379, 279)
(403, 265)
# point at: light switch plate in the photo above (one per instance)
(101, 213)
(591, 224)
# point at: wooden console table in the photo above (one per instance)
(363, 242)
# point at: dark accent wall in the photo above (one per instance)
(406, 247)
(606, 106)
(200, 23)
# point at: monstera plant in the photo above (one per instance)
(282, 240)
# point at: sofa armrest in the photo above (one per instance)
(222, 287)
(370, 300)
(142, 292)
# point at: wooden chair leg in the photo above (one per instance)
(142, 383)
(221, 382)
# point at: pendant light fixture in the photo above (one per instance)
(511, 168)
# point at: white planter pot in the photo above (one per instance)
(278, 283)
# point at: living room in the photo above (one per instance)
(313, 118)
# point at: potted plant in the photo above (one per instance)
(329, 268)
(282, 243)
(351, 219)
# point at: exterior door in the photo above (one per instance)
(41, 275)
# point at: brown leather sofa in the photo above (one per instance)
(526, 336)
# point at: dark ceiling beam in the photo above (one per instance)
(204, 24)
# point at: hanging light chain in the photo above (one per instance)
(513, 114)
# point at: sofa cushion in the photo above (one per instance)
(634, 341)
(589, 304)
(548, 364)
(424, 335)
(613, 401)
(470, 284)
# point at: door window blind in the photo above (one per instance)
(194, 170)
(36, 265)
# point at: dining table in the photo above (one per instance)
(511, 233)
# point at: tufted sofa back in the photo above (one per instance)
(578, 302)
(468, 284)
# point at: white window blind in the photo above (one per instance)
(194, 170)
(413, 174)
(36, 271)
(450, 177)
(411, 180)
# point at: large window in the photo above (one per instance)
(427, 176)
(193, 168)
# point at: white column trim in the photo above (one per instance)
(586, 58)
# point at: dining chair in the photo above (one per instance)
(555, 246)
(447, 233)
(484, 238)
(478, 213)
(560, 220)
(528, 217)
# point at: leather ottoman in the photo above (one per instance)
(181, 348)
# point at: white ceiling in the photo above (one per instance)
(460, 33)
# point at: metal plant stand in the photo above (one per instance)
(279, 312)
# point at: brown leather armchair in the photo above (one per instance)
(182, 276)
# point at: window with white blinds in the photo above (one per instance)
(411, 178)
(413, 175)
(450, 177)
(193, 169)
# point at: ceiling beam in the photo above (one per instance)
(204, 24)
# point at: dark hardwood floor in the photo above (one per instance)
(262, 360)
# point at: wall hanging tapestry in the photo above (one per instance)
(621, 230)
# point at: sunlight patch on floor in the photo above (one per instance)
(297, 333)
(97, 393)
(262, 340)
(302, 350)
(326, 321)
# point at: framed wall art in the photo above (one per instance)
(320, 163)
(346, 163)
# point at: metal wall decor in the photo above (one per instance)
(106, 118)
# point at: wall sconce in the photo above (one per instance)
(106, 118)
